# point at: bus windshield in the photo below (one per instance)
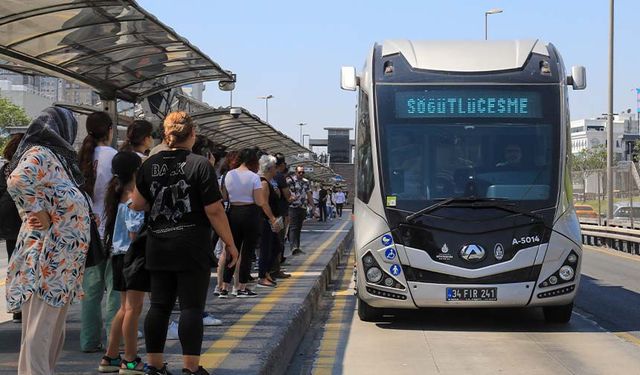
(440, 142)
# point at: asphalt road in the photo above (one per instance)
(603, 336)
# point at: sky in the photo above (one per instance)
(293, 50)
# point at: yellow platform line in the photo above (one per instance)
(221, 348)
(335, 327)
(626, 336)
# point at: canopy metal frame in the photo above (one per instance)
(79, 56)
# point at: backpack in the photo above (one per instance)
(11, 220)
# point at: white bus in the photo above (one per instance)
(463, 177)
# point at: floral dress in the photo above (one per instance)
(49, 263)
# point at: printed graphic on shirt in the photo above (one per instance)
(171, 202)
(299, 189)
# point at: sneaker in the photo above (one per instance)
(150, 370)
(134, 367)
(111, 365)
(297, 252)
(246, 293)
(200, 371)
(216, 291)
(224, 294)
(209, 320)
(234, 292)
(251, 279)
(17, 317)
(172, 332)
(282, 275)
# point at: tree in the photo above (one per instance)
(10, 115)
(589, 161)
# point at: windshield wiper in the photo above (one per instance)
(499, 203)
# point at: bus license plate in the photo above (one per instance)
(472, 294)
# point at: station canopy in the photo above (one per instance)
(113, 46)
(245, 130)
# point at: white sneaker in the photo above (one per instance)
(234, 292)
(209, 320)
(172, 332)
(216, 291)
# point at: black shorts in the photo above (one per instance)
(120, 283)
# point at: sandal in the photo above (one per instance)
(112, 364)
(132, 367)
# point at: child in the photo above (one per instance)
(122, 226)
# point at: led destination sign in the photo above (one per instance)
(469, 104)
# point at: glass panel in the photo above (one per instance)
(11, 7)
(105, 49)
(79, 38)
(152, 63)
(147, 73)
(14, 32)
(206, 74)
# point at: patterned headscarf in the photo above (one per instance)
(55, 128)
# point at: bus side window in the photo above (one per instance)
(364, 170)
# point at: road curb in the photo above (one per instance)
(286, 341)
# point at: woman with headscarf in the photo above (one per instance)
(46, 270)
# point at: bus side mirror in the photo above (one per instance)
(348, 78)
(578, 77)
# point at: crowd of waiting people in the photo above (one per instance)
(101, 224)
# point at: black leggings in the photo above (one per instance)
(245, 227)
(191, 289)
(269, 249)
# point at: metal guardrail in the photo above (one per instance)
(619, 238)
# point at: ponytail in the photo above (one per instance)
(98, 126)
(85, 159)
(111, 200)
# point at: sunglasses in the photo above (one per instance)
(300, 172)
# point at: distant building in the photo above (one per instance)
(589, 133)
(337, 151)
(194, 90)
(33, 93)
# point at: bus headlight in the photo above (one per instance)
(368, 260)
(566, 273)
(374, 274)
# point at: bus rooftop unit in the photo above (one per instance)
(463, 177)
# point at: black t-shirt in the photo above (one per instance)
(283, 203)
(323, 196)
(177, 185)
(273, 200)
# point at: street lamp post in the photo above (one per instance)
(266, 104)
(486, 14)
(301, 124)
(306, 135)
(610, 122)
